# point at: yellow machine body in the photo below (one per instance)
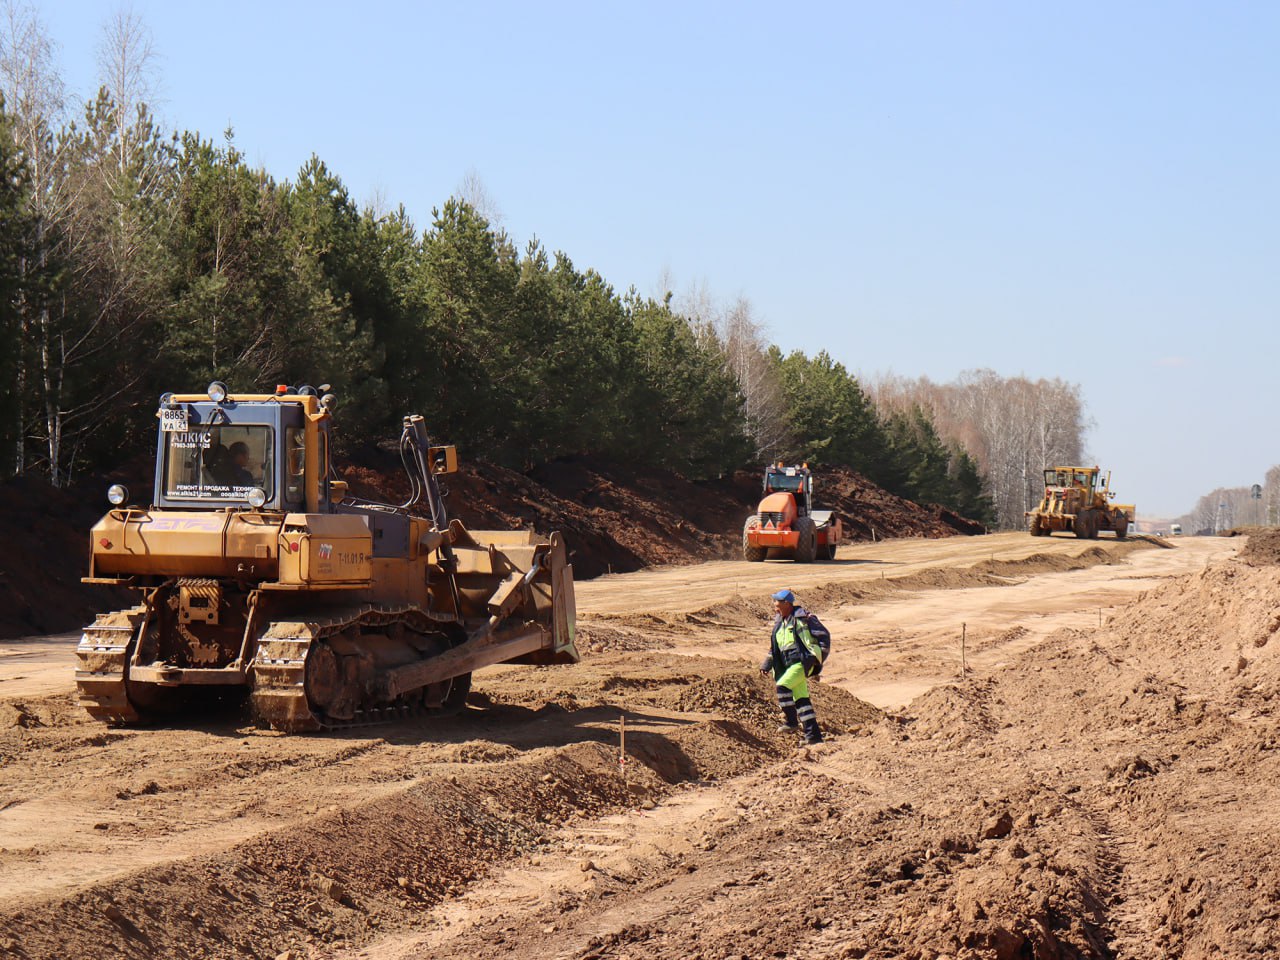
(1078, 500)
(256, 571)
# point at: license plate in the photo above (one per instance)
(173, 419)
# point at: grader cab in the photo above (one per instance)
(257, 574)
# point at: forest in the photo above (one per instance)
(136, 259)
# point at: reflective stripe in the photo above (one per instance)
(806, 713)
(792, 634)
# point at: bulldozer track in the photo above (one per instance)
(279, 696)
(102, 659)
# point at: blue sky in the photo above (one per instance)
(1088, 191)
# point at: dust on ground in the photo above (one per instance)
(214, 838)
(1111, 793)
(742, 616)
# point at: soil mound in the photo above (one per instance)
(867, 511)
(1262, 548)
(727, 688)
(614, 519)
(620, 518)
(1153, 739)
(306, 843)
(47, 531)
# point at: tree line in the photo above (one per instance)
(1013, 427)
(135, 260)
(1228, 507)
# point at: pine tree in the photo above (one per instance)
(15, 239)
(832, 419)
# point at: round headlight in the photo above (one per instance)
(257, 497)
(117, 493)
(217, 391)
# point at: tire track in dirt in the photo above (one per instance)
(393, 823)
(969, 822)
(1005, 816)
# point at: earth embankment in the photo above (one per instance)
(614, 518)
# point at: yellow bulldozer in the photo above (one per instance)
(258, 575)
(1074, 501)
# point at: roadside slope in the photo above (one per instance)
(614, 518)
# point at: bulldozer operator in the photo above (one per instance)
(795, 654)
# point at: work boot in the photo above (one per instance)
(808, 720)
(788, 728)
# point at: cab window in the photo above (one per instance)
(295, 477)
(218, 463)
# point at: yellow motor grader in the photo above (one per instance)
(1074, 501)
(258, 574)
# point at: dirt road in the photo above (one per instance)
(974, 822)
(899, 608)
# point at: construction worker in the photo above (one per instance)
(794, 656)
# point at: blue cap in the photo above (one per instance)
(786, 595)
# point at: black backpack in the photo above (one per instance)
(822, 637)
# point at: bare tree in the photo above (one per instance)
(745, 355)
(127, 72)
(33, 91)
(1216, 511)
(1012, 426)
(472, 189)
(92, 187)
(1222, 509)
(744, 343)
(34, 96)
(1271, 496)
(1228, 507)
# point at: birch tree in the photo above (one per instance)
(1014, 427)
(1271, 496)
(117, 172)
(34, 97)
(764, 404)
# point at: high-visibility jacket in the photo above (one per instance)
(792, 642)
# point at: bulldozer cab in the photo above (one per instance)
(262, 452)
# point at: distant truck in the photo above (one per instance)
(1073, 500)
(786, 523)
(1175, 529)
